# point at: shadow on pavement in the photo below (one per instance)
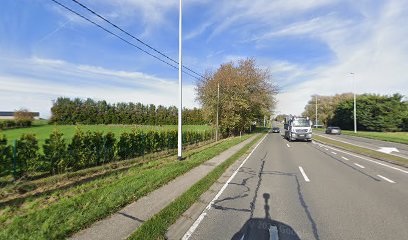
(265, 228)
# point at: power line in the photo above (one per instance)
(132, 36)
(121, 38)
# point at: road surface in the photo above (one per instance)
(373, 144)
(299, 190)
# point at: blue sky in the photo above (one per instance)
(309, 46)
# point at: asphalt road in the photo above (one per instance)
(338, 196)
(373, 144)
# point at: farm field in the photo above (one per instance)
(43, 130)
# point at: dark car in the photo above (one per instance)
(333, 130)
(275, 130)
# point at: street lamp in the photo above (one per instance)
(354, 95)
(179, 142)
(218, 106)
(316, 113)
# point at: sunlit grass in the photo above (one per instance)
(61, 213)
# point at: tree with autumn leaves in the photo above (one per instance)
(247, 94)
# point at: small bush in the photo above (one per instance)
(5, 157)
(55, 153)
(27, 154)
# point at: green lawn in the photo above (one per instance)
(42, 131)
(57, 214)
(399, 137)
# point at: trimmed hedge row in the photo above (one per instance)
(8, 124)
(86, 149)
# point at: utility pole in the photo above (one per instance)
(354, 112)
(218, 105)
(180, 68)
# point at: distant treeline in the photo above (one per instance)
(89, 111)
(374, 112)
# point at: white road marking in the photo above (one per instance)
(304, 174)
(367, 159)
(358, 165)
(287, 144)
(326, 149)
(386, 179)
(334, 153)
(193, 227)
(387, 150)
(345, 158)
(374, 149)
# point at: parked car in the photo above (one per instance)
(333, 130)
(275, 130)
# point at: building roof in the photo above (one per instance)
(11, 114)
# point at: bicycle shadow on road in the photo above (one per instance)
(265, 228)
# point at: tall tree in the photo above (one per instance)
(326, 105)
(246, 94)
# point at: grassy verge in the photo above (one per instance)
(64, 212)
(398, 137)
(156, 227)
(363, 151)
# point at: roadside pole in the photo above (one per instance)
(218, 105)
(179, 150)
(316, 113)
(354, 95)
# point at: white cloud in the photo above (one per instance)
(379, 60)
(46, 79)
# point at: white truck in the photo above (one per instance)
(298, 128)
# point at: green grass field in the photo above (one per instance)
(57, 214)
(42, 130)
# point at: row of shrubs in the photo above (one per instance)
(86, 149)
(8, 124)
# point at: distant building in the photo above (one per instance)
(10, 115)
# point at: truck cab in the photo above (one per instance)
(298, 128)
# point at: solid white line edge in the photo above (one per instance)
(304, 174)
(193, 227)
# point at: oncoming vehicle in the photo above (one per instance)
(275, 130)
(333, 130)
(298, 128)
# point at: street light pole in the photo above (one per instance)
(218, 104)
(316, 113)
(354, 95)
(179, 150)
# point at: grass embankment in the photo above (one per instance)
(398, 137)
(363, 151)
(156, 227)
(43, 131)
(57, 214)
